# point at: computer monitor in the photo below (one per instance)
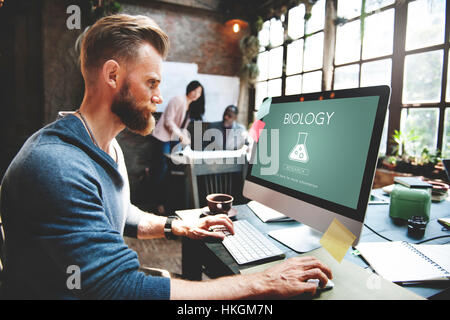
(327, 145)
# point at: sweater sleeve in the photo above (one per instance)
(70, 224)
(171, 111)
(134, 215)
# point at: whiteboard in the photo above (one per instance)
(175, 78)
(220, 91)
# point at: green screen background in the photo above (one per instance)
(337, 152)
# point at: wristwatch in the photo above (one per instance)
(168, 228)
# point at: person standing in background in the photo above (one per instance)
(171, 130)
(196, 107)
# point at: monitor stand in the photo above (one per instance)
(301, 239)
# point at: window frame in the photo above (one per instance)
(398, 69)
(398, 56)
(285, 48)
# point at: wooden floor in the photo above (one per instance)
(158, 253)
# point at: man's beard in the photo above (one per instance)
(137, 117)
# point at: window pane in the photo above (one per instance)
(446, 142)
(348, 42)
(294, 57)
(423, 124)
(260, 93)
(275, 62)
(293, 85)
(378, 34)
(426, 23)
(276, 33)
(376, 73)
(274, 88)
(296, 27)
(264, 34)
(422, 78)
(349, 9)
(372, 5)
(447, 94)
(346, 77)
(313, 56)
(312, 82)
(317, 20)
(263, 65)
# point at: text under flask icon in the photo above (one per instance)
(299, 152)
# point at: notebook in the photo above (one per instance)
(267, 214)
(401, 261)
(412, 182)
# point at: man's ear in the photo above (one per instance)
(110, 73)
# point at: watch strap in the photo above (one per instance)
(168, 228)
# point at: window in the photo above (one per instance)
(424, 94)
(421, 123)
(364, 47)
(375, 42)
(292, 65)
(270, 61)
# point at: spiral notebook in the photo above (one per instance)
(405, 262)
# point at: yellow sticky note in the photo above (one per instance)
(337, 239)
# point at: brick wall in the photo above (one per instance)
(196, 36)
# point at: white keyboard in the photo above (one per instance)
(248, 244)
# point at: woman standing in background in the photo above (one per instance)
(171, 130)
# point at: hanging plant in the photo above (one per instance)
(103, 8)
(249, 46)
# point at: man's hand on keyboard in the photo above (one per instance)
(200, 229)
(289, 278)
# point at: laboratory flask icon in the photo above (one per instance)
(299, 152)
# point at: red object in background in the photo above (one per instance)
(256, 129)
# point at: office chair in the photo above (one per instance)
(215, 178)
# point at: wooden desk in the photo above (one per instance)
(198, 256)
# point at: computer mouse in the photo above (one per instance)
(328, 286)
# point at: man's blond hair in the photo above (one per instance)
(118, 37)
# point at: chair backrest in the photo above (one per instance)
(215, 178)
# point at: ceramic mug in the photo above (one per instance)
(219, 203)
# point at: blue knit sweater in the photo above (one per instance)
(65, 202)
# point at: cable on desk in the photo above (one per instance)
(420, 242)
(431, 239)
(377, 233)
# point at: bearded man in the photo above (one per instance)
(65, 200)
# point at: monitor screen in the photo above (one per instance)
(325, 146)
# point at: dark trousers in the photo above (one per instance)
(159, 170)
